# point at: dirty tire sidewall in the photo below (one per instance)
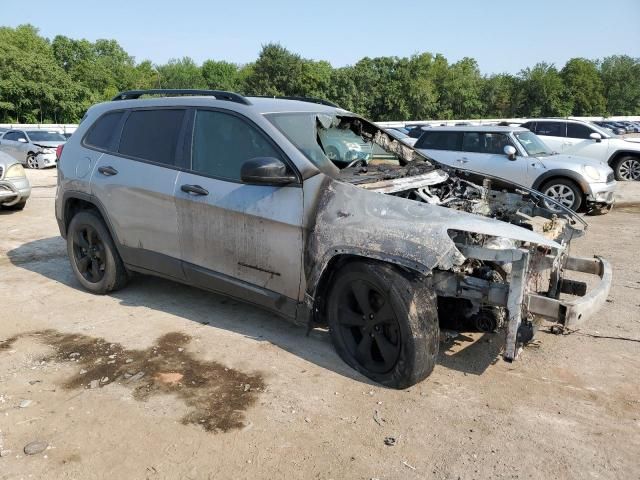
(115, 274)
(415, 306)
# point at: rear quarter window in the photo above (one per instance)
(103, 133)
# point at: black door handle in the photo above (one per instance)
(194, 190)
(108, 171)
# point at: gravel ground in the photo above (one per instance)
(161, 381)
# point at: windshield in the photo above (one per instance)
(532, 144)
(46, 137)
(341, 141)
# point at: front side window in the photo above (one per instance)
(152, 135)
(440, 141)
(551, 129)
(14, 136)
(223, 142)
(576, 130)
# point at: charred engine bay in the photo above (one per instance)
(422, 182)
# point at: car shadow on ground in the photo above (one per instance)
(48, 257)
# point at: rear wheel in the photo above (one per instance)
(563, 191)
(627, 168)
(94, 258)
(384, 323)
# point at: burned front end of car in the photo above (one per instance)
(497, 257)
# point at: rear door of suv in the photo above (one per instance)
(237, 238)
(134, 180)
(553, 133)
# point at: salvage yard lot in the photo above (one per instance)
(161, 380)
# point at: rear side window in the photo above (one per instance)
(223, 142)
(152, 135)
(551, 129)
(440, 141)
(103, 132)
(531, 126)
(575, 130)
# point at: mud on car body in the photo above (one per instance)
(238, 195)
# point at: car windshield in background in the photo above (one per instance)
(46, 137)
(532, 144)
(326, 139)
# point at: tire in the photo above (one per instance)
(93, 256)
(397, 351)
(627, 168)
(333, 154)
(563, 190)
(32, 162)
(16, 206)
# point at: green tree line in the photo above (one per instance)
(44, 81)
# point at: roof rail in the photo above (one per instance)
(168, 92)
(319, 101)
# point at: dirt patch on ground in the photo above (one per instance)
(217, 396)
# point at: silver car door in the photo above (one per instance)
(485, 154)
(553, 133)
(579, 142)
(135, 184)
(237, 236)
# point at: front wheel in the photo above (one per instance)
(565, 192)
(32, 161)
(384, 323)
(94, 258)
(627, 168)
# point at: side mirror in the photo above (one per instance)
(596, 136)
(22, 140)
(266, 171)
(510, 151)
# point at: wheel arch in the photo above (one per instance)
(558, 174)
(74, 202)
(618, 154)
(320, 288)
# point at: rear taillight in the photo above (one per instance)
(59, 151)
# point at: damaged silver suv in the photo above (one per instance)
(238, 195)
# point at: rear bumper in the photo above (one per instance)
(572, 313)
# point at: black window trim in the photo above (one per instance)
(189, 147)
(179, 153)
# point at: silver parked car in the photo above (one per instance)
(14, 185)
(237, 195)
(518, 155)
(32, 148)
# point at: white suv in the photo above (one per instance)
(577, 137)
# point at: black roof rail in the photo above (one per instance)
(168, 92)
(319, 101)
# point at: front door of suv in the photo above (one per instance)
(485, 154)
(239, 239)
(134, 180)
(579, 142)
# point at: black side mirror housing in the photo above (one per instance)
(266, 171)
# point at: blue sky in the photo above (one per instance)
(502, 35)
